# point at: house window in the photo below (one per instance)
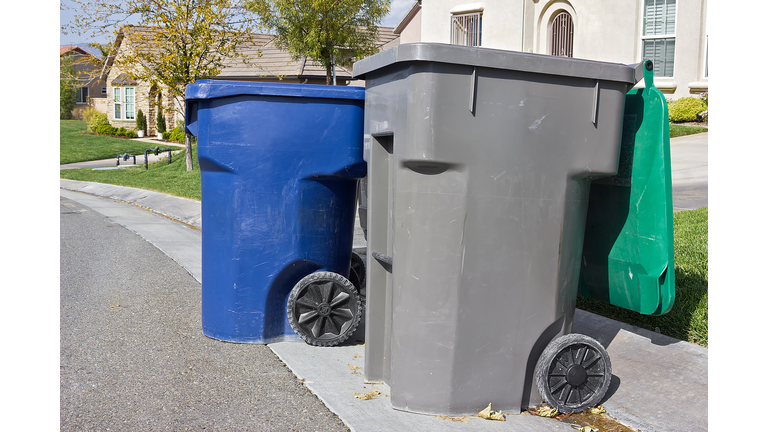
(125, 103)
(659, 35)
(103, 90)
(118, 104)
(467, 29)
(561, 35)
(82, 95)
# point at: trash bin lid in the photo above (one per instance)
(211, 89)
(498, 59)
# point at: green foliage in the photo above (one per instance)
(177, 134)
(141, 121)
(105, 129)
(90, 113)
(67, 88)
(160, 121)
(166, 135)
(97, 120)
(322, 29)
(131, 134)
(67, 99)
(685, 109)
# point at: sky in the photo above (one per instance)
(398, 9)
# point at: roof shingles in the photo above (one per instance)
(261, 58)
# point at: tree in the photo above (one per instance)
(67, 88)
(178, 42)
(323, 30)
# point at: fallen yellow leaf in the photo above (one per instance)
(489, 414)
(544, 411)
(367, 396)
(597, 410)
(585, 428)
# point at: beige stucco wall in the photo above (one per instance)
(604, 30)
(145, 99)
(412, 32)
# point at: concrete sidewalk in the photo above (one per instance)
(658, 384)
(690, 171)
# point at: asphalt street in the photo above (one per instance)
(132, 354)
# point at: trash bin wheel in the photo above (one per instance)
(357, 272)
(324, 308)
(573, 373)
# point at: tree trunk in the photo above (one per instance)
(188, 147)
(328, 75)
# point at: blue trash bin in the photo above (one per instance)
(279, 166)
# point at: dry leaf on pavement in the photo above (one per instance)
(489, 414)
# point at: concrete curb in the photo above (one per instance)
(183, 210)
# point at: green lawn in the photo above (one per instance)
(171, 178)
(688, 320)
(77, 147)
(676, 130)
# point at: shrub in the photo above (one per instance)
(77, 113)
(67, 98)
(177, 134)
(141, 121)
(685, 109)
(166, 135)
(106, 129)
(131, 134)
(160, 121)
(90, 113)
(120, 132)
(97, 120)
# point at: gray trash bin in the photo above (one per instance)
(479, 164)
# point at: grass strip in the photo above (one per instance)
(676, 130)
(171, 178)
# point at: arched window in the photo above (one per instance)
(561, 35)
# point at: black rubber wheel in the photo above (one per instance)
(324, 309)
(573, 373)
(357, 272)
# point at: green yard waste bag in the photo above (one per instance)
(628, 252)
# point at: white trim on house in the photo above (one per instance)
(122, 109)
(466, 8)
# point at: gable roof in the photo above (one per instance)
(263, 59)
(408, 17)
(71, 48)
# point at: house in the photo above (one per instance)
(672, 33)
(263, 62)
(92, 90)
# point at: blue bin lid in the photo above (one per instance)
(211, 89)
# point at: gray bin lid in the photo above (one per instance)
(498, 59)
